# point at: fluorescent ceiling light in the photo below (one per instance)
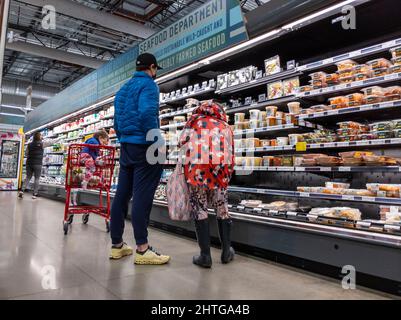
(12, 114)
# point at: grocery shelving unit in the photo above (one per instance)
(322, 244)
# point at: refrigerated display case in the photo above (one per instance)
(10, 155)
(317, 183)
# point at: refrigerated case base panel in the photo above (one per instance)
(378, 266)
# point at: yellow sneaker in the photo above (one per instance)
(151, 257)
(118, 253)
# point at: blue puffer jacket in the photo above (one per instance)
(137, 109)
(92, 151)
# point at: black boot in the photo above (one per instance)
(202, 233)
(228, 252)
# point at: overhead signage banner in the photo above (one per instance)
(216, 25)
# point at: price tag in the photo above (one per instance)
(304, 194)
(347, 197)
(302, 169)
(391, 227)
(325, 169)
(342, 144)
(300, 146)
(368, 199)
(287, 169)
(364, 224)
(341, 86)
(344, 169)
(312, 216)
(290, 213)
(273, 211)
(240, 207)
(258, 209)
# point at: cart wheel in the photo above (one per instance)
(107, 226)
(70, 218)
(65, 227)
(85, 218)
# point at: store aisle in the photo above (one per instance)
(32, 243)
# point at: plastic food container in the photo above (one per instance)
(397, 124)
(346, 73)
(397, 133)
(367, 136)
(287, 161)
(294, 107)
(318, 83)
(295, 138)
(253, 124)
(280, 121)
(262, 116)
(392, 97)
(380, 72)
(396, 61)
(381, 126)
(268, 161)
(271, 121)
(392, 90)
(252, 143)
(271, 111)
(347, 79)
(305, 88)
(395, 69)
(376, 90)
(262, 124)
(265, 143)
(254, 114)
(345, 65)
(384, 134)
(255, 161)
(239, 117)
(359, 97)
(277, 161)
(396, 52)
(282, 141)
(350, 125)
(238, 161)
(374, 99)
(332, 78)
(379, 63)
(362, 68)
(340, 100)
(273, 142)
(362, 76)
(335, 185)
(320, 75)
(241, 125)
(290, 118)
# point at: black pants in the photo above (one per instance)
(137, 179)
(33, 170)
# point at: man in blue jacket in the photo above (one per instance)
(136, 113)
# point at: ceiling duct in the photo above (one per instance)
(19, 88)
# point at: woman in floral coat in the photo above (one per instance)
(208, 145)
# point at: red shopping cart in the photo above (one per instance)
(101, 174)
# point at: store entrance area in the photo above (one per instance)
(39, 262)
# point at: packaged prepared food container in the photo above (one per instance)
(352, 161)
(350, 125)
(355, 103)
(330, 184)
(294, 107)
(392, 97)
(332, 78)
(374, 99)
(265, 143)
(362, 76)
(271, 111)
(252, 143)
(381, 126)
(280, 121)
(318, 83)
(254, 114)
(279, 114)
(355, 154)
(347, 79)
(241, 125)
(396, 124)
(397, 133)
(272, 65)
(282, 141)
(396, 52)
(362, 68)
(396, 61)
(380, 72)
(287, 161)
(356, 97)
(395, 69)
(239, 117)
(379, 63)
(340, 100)
(255, 161)
(179, 119)
(319, 75)
(290, 118)
(251, 203)
(367, 136)
(262, 124)
(268, 161)
(345, 65)
(305, 88)
(328, 161)
(238, 161)
(262, 116)
(346, 73)
(392, 90)
(293, 139)
(376, 90)
(271, 121)
(384, 134)
(253, 124)
(277, 162)
(273, 142)
(275, 90)
(291, 86)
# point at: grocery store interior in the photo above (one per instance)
(312, 91)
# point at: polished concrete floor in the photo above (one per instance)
(33, 248)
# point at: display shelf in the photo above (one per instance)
(261, 81)
(360, 53)
(346, 87)
(187, 96)
(173, 125)
(277, 130)
(328, 145)
(176, 113)
(323, 169)
(322, 196)
(260, 105)
(390, 108)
